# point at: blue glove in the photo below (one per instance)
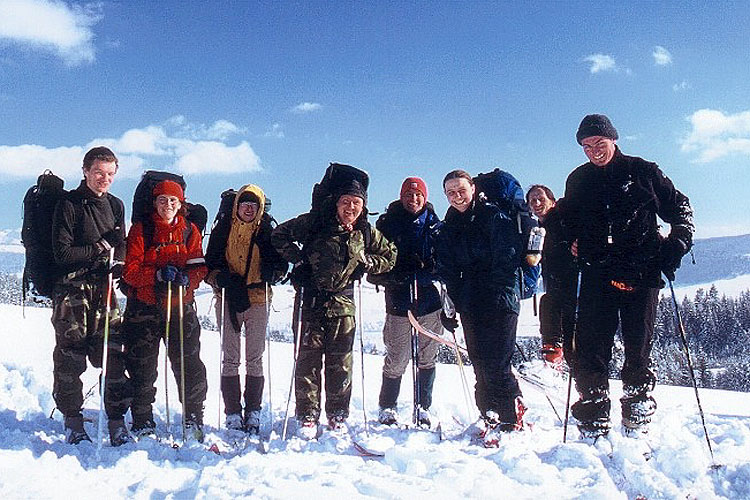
(182, 279)
(167, 273)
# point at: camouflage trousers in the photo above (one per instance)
(144, 328)
(78, 316)
(326, 342)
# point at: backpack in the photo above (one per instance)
(143, 203)
(501, 189)
(336, 175)
(40, 270)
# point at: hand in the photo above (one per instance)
(449, 324)
(114, 237)
(366, 260)
(670, 253)
(167, 273)
(182, 279)
(116, 270)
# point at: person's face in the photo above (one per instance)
(167, 206)
(100, 175)
(539, 202)
(247, 210)
(413, 201)
(459, 192)
(349, 208)
(599, 150)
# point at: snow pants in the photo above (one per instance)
(78, 314)
(557, 313)
(490, 339)
(602, 306)
(144, 328)
(255, 320)
(326, 343)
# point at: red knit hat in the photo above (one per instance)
(413, 183)
(169, 188)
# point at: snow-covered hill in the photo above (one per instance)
(36, 463)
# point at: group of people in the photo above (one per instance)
(601, 264)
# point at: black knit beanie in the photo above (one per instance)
(248, 196)
(593, 125)
(353, 188)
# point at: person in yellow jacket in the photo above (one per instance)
(242, 262)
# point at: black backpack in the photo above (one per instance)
(336, 175)
(143, 203)
(40, 271)
(504, 191)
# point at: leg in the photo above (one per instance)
(195, 371)
(338, 365)
(307, 378)
(397, 340)
(230, 378)
(142, 328)
(427, 357)
(256, 319)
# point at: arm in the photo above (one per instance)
(66, 253)
(288, 238)
(137, 272)
(674, 208)
(195, 266)
(381, 253)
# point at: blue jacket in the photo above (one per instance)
(478, 258)
(414, 236)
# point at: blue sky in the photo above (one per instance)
(269, 92)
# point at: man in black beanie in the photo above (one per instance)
(612, 202)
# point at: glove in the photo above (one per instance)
(449, 324)
(182, 279)
(116, 271)
(224, 279)
(238, 297)
(167, 274)
(670, 253)
(114, 237)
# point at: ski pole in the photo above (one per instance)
(221, 350)
(464, 380)
(105, 350)
(415, 357)
(181, 291)
(681, 328)
(361, 349)
(268, 354)
(296, 320)
(573, 350)
(166, 351)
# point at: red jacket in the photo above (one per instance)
(167, 246)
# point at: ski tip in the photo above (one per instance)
(214, 449)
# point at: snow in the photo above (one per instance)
(35, 462)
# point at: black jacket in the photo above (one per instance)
(479, 259)
(612, 211)
(80, 220)
(414, 237)
(559, 268)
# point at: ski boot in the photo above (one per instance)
(307, 428)
(143, 426)
(252, 422)
(118, 433)
(388, 416)
(74, 431)
(424, 418)
(337, 421)
(194, 427)
(233, 422)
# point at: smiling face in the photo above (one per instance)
(539, 202)
(247, 210)
(598, 149)
(459, 192)
(413, 200)
(349, 208)
(167, 206)
(99, 177)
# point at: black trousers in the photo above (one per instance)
(602, 307)
(490, 339)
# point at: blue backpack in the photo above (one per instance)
(504, 191)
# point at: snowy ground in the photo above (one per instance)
(35, 462)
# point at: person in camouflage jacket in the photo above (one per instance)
(334, 248)
(87, 225)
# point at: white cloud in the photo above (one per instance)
(307, 107)
(715, 135)
(163, 146)
(679, 87)
(662, 57)
(50, 25)
(600, 62)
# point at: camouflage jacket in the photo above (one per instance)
(334, 258)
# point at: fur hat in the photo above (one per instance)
(593, 125)
(169, 188)
(353, 188)
(413, 183)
